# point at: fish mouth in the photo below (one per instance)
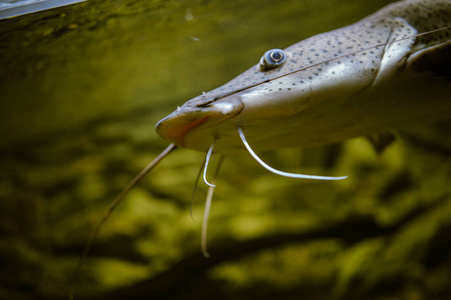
(197, 114)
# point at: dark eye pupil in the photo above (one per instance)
(276, 56)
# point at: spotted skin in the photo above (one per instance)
(339, 84)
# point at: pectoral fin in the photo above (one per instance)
(397, 50)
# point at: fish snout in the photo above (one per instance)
(192, 116)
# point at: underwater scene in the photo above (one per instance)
(82, 87)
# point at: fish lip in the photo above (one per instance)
(184, 119)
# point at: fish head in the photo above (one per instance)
(315, 92)
(269, 101)
(250, 98)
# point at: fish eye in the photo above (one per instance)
(272, 59)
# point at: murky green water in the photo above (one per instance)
(81, 90)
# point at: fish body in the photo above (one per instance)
(378, 74)
(390, 70)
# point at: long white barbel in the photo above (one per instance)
(282, 173)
